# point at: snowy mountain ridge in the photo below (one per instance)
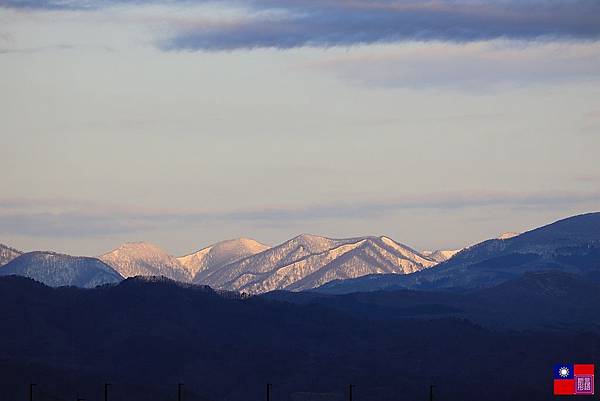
(441, 255)
(508, 235)
(308, 261)
(7, 254)
(570, 245)
(56, 270)
(246, 265)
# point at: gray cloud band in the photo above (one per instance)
(119, 221)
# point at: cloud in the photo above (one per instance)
(476, 66)
(56, 4)
(69, 219)
(326, 23)
(347, 23)
(588, 178)
(35, 49)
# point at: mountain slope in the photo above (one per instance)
(7, 254)
(441, 255)
(227, 348)
(208, 259)
(535, 300)
(570, 245)
(145, 259)
(308, 261)
(57, 270)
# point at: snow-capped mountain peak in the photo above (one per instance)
(145, 259)
(140, 249)
(213, 257)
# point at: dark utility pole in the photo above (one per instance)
(269, 385)
(31, 385)
(179, 386)
(350, 387)
(106, 391)
(431, 387)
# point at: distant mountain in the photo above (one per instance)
(507, 235)
(444, 255)
(440, 255)
(7, 254)
(570, 245)
(145, 259)
(308, 261)
(57, 270)
(245, 265)
(207, 260)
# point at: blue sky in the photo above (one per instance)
(436, 123)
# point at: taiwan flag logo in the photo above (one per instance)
(573, 379)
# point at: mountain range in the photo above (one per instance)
(521, 302)
(314, 263)
(308, 261)
(570, 245)
(245, 265)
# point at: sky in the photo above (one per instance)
(186, 122)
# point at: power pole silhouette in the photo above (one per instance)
(431, 387)
(179, 386)
(350, 387)
(31, 385)
(269, 385)
(106, 391)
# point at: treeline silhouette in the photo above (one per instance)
(145, 336)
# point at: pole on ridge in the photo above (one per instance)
(431, 387)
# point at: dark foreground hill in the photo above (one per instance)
(545, 300)
(145, 336)
(570, 245)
